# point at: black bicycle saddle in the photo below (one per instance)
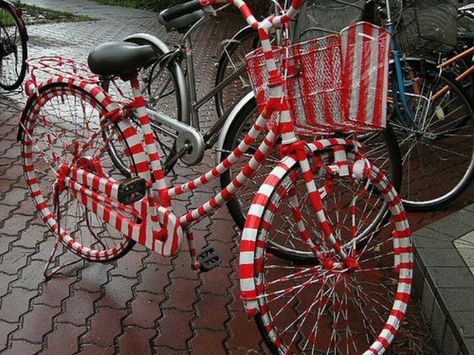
(120, 58)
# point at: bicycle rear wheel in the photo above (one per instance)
(437, 153)
(319, 307)
(232, 60)
(56, 124)
(13, 48)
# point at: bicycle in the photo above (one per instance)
(362, 265)
(432, 115)
(13, 46)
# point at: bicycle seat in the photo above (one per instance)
(120, 58)
(181, 23)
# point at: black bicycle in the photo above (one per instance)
(13, 46)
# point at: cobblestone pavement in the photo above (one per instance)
(142, 302)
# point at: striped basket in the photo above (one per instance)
(337, 83)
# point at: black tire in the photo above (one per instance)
(242, 123)
(171, 106)
(13, 45)
(85, 234)
(438, 159)
(242, 43)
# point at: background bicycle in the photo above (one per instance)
(13, 46)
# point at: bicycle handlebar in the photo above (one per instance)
(194, 5)
(180, 10)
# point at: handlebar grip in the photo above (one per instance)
(180, 10)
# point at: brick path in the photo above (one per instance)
(142, 302)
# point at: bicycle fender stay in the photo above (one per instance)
(141, 38)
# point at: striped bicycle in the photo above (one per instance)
(351, 296)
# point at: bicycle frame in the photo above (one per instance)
(159, 228)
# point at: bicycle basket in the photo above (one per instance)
(427, 27)
(334, 83)
(320, 18)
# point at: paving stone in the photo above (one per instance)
(216, 282)
(104, 326)
(429, 238)
(93, 349)
(155, 278)
(36, 324)
(64, 339)
(31, 276)
(248, 340)
(464, 321)
(78, 307)
(5, 243)
(53, 293)
(212, 312)
(174, 322)
(128, 266)
(469, 342)
(5, 330)
(451, 276)
(15, 196)
(13, 226)
(450, 227)
(15, 304)
(457, 299)
(135, 341)
(145, 310)
(117, 292)
(22, 347)
(447, 257)
(5, 281)
(182, 294)
(93, 276)
(209, 342)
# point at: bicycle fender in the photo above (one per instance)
(141, 38)
(232, 116)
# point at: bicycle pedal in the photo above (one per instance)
(208, 258)
(131, 190)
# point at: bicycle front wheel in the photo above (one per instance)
(13, 48)
(58, 124)
(329, 305)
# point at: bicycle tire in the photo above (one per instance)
(440, 149)
(7, 49)
(334, 311)
(230, 49)
(56, 136)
